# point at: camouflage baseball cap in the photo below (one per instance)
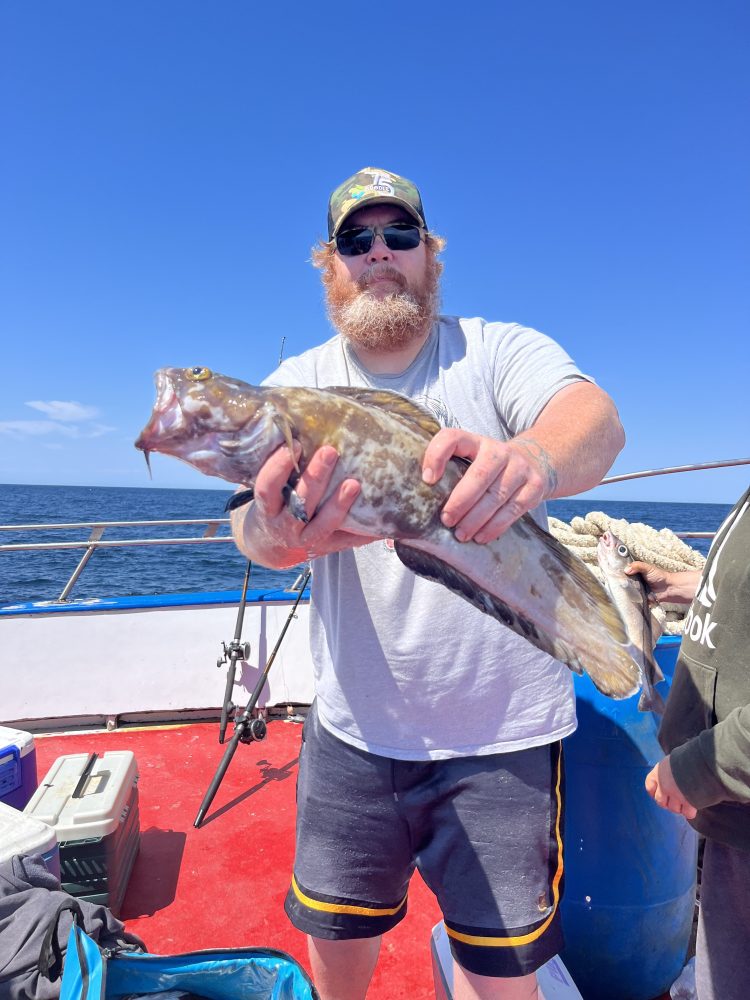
(372, 185)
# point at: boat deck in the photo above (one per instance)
(223, 885)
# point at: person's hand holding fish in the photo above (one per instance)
(294, 540)
(671, 588)
(504, 481)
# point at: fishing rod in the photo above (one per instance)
(236, 650)
(247, 729)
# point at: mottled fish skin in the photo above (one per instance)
(526, 579)
(630, 596)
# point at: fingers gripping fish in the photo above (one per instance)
(526, 579)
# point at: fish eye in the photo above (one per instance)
(198, 374)
(622, 550)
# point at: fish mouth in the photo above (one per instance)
(607, 540)
(167, 417)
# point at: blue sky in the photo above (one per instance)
(166, 168)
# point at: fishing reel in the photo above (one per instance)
(241, 651)
(252, 730)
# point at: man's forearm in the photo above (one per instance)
(575, 439)
(681, 586)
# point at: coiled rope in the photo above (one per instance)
(646, 544)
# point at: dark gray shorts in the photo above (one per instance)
(484, 832)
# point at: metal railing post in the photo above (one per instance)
(96, 534)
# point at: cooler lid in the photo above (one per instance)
(102, 796)
(21, 834)
(18, 738)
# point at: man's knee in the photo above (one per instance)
(343, 968)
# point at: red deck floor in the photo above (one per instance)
(224, 884)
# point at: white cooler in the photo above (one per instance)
(21, 834)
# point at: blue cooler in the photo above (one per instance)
(21, 834)
(17, 767)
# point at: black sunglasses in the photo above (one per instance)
(396, 236)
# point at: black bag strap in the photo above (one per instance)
(50, 955)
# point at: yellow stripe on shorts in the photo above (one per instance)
(366, 911)
(514, 942)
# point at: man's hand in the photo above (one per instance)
(271, 535)
(662, 788)
(504, 480)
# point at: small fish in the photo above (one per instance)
(526, 579)
(630, 596)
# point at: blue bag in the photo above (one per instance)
(91, 973)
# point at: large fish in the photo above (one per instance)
(526, 579)
(630, 596)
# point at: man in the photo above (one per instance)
(434, 741)
(706, 736)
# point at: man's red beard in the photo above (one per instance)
(383, 323)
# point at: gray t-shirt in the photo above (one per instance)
(404, 668)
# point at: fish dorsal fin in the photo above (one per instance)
(412, 413)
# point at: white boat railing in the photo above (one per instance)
(97, 528)
(95, 540)
(727, 463)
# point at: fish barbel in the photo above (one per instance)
(630, 596)
(526, 579)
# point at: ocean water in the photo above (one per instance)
(41, 575)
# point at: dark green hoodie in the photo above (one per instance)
(706, 726)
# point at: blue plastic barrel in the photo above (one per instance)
(630, 866)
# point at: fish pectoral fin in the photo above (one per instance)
(283, 424)
(295, 504)
(239, 499)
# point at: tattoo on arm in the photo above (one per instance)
(542, 458)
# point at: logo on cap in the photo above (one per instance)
(382, 184)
